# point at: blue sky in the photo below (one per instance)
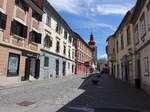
(101, 17)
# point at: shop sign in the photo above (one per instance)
(29, 54)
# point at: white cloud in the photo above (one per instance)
(93, 25)
(103, 25)
(103, 56)
(71, 6)
(90, 7)
(107, 9)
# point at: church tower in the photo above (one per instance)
(93, 46)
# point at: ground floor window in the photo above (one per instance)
(13, 64)
(130, 68)
(46, 61)
(146, 66)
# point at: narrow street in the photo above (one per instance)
(74, 94)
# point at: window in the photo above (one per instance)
(146, 66)
(73, 54)
(47, 42)
(58, 47)
(117, 46)
(58, 28)
(118, 70)
(19, 29)
(22, 4)
(148, 7)
(36, 15)
(70, 39)
(48, 20)
(128, 36)
(65, 34)
(74, 41)
(36, 37)
(64, 51)
(72, 68)
(46, 61)
(13, 64)
(68, 65)
(122, 43)
(69, 53)
(3, 19)
(136, 34)
(142, 26)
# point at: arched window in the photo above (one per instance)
(48, 41)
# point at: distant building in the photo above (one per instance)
(93, 46)
(83, 56)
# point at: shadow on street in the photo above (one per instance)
(109, 95)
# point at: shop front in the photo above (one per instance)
(32, 65)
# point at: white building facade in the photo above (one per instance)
(57, 56)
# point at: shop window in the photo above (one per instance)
(22, 4)
(146, 66)
(48, 42)
(36, 37)
(13, 65)
(46, 61)
(19, 29)
(3, 19)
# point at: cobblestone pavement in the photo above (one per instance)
(74, 94)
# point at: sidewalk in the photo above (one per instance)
(34, 82)
(110, 95)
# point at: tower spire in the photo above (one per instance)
(92, 42)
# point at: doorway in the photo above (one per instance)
(57, 68)
(64, 68)
(32, 67)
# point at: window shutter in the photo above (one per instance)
(39, 38)
(13, 27)
(3, 19)
(25, 31)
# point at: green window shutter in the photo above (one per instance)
(46, 61)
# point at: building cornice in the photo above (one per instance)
(49, 52)
(18, 48)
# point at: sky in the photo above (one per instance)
(100, 17)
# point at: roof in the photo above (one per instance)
(125, 20)
(57, 16)
(109, 37)
(138, 8)
(79, 37)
